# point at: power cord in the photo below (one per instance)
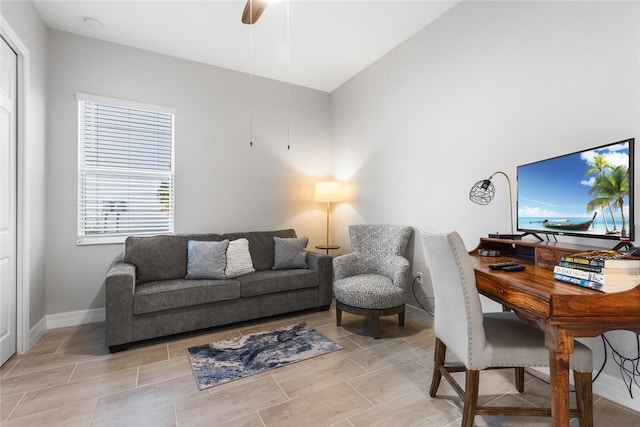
(413, 289)
(629, 367)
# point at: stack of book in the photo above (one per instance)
(602, 270)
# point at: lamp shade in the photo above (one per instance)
(482, 192)
(329, 191)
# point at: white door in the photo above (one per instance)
(8, 201)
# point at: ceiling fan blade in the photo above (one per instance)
(252, 11)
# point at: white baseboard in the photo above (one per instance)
(74, 318)
(419, 315)
(37, 331)
(61, 320)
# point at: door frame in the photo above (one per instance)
(22, 206)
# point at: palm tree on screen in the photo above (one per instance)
(614, 187)
(598, 165)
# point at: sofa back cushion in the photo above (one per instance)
(261, 245)
(162, 257)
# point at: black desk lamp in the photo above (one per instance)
(482, 193)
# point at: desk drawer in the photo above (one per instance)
(548, 258)
(515, 291)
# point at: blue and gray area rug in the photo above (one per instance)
(225, 361)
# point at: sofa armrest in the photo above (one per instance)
(119, 285)
(323, 265)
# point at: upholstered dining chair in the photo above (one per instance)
(487, 340)
(371, 280)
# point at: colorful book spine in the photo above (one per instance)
(585, 267)
(577, 259)
(580, 274)
(576, 281)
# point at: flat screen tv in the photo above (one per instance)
(589, 193)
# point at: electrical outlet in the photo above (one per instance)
(419, 277)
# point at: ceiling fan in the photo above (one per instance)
(252, 11)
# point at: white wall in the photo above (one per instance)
(488, 86)
(25, 21)
(222, 185)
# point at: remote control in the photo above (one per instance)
(502, 265)
(516, 267)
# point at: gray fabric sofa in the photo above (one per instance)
(147, 295)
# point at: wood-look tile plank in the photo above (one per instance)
(7, 404)
(412, 409)
(388, 383)
(318, 408)
(142, 417)
(164, 370)
(75, 392)
(28, 365)
(119, 362)
(149, 398)
(250, 420)
(231, 403)
(77, 414)
(316, 375)
(384, 354)
(35, 381)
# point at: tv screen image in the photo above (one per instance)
(588, 193)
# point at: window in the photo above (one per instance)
(125, 169)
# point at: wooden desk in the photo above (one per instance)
(561, 310)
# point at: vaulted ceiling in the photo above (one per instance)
(314, 43)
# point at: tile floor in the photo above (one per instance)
(69, 379)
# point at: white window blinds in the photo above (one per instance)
(125, 169)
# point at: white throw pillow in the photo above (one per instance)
(238, 259)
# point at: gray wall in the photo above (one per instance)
(488, 86)
(222, 184)
(25, 21)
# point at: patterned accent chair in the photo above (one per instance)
(487, 340)
(371, 280)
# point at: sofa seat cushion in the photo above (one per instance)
(267, 282)
(167, 294)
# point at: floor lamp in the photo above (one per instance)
(329, 191)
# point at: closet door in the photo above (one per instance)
(8, 200)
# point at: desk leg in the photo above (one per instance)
(560, 345)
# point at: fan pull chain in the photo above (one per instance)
(289, 79)
(251, 80)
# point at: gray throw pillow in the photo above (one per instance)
(290, 253)
(206, 260)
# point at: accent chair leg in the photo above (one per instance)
(438, 362)
(519, 379)
(338, 315)
(472, 384)
(375, 324)
(584, 397)
(401, 318)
